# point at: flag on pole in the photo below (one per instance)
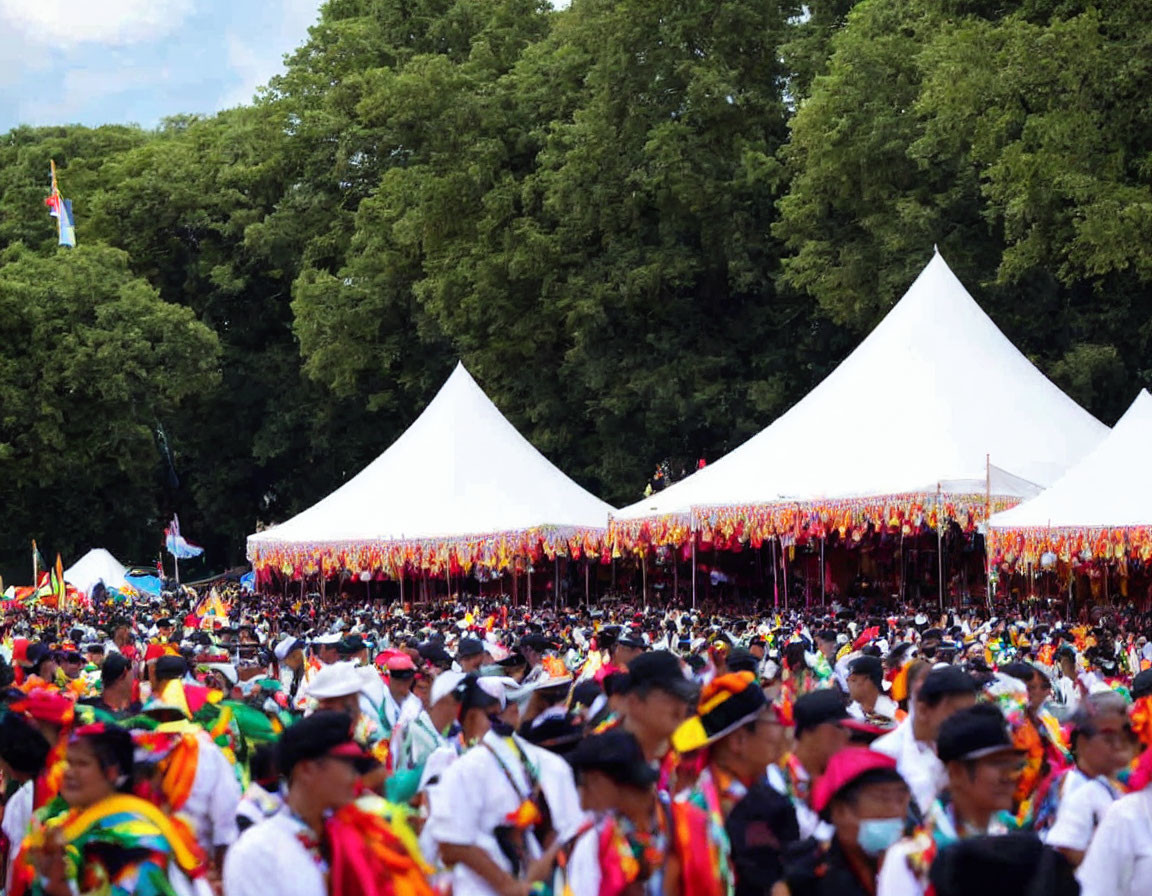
(37, 560)
(61, 209)
(58, 582)
(178, 546)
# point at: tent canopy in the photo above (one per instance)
(935, 398)
(461, 486)
(95, 566)
(1108, 491)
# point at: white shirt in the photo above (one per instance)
(17, 818)
(1080, 812)
(268, 858)
(885, 706)
(917, 763)
(214, 798)
(475, 797)
(1119, 861)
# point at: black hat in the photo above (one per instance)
(869, 666)
(114, 668)
(557, 734)
(469, 647)
(741, 660)
(536, 641)
(434, 652)
(818, 708)
(350, 645)
(38, 653)
(165, 622)
(324, 733)
(617, 754)
(1142, 684)
(973, 733)
(513, 660)
(167, 666)
(660, 669)
(944, 682)
(632, 638)
(1013, 864)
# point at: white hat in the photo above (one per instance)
(444, 684)
(227, 670)
(330, 638)
(285, 646)
(336, 680)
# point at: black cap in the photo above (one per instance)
(1012, 864)
(536, 641)
(513, 660)
(323, 733)
(434, 652)
(1142, 684)
(37, 653)
(469, 647)
(168, 666)
(869, 666)
(944, 682)
(741, 660)
(617, 754)
(818, 708)
(973, 733)
(350, 645)
(661, 669)
(114, 668)
(630, 638)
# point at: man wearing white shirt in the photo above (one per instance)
(1119, 860)
(488, 784)
(866, 690)
(287, 853)
(945, 691)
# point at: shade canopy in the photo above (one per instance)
(935, 400)
(1101, 507)
(460, 487)
(98, 565)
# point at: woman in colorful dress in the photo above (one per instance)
(109, 841)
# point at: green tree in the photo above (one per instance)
(93, 363)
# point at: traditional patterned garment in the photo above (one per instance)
(121, 846)
(716, 792)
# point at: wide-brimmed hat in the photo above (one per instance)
(726, 703)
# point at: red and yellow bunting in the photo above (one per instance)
(1070, 545)
(494, 553)
(751, 524)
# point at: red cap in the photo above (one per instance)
(844, 768)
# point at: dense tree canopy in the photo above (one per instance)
(646, 227)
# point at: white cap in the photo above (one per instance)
(330, 638)
(284, 646)
(336, 680)
(444, 684)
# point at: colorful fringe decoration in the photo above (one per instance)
(368, 859)
(1017, 546)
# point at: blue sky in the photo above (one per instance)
(135, 61)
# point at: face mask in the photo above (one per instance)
(877, 834)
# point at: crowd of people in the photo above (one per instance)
(244, 744)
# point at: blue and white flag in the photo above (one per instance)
(178, 546)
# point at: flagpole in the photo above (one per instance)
(35, 565)
(176, 564)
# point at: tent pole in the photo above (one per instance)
(587, 596)
(784, 565)
(693, 570)
(644, 579)
(676, 577)
(556, 583)
(529, 586)
(823, 595)
(939, 549)
(175, 564)
(775, 581)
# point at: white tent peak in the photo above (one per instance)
(96, 566)
(932, 396)
(460, 470)
(1111, 488)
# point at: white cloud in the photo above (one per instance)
(69, 23)
(254, 59)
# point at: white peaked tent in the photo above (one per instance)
(460, 482)
(96, 566)
(1108, 491)
(935, 398)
